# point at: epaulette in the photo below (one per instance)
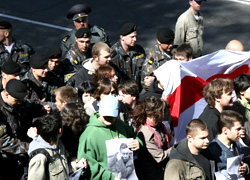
(113, 54)
(66, 38)
(102, 29)
(151, 61)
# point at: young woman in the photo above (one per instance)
(105, 71)
(85, 91)
(147, 119)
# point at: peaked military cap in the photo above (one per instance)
(83, 33)
(38, 61)
(11, 67)
(16, 88)
(54, 52)
(164, 35)
(78, 12)
(127, 29)
(5, 25)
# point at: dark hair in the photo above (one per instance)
(215, 89)
(49, 126)
(129, 87)
(184, 50)
(123, 146)
(74, 116)
(151, 107)
(241, 83)
(195, 125)
(227, 119)
(104, 86)
(85, 87)
(103, 71)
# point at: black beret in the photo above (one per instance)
(127, 29)
(78, 11)
(16, 88)
(83, 33)
(11, 67)
(38, 61)
(54, 52)
(5, 25)
(164, 35)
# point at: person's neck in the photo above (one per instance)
(244, 99)
(223, 138)
(194, 12)
(219, 107)
(95, 64)
(151, 119)
(193, 149)
(8, 41)
(125, 47)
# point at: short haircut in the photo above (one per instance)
(123, 146)
(184, 50)
(67, 94)
(227, 119)
(241, 83)
(103, 71)
(195, 125)
(215, 89)
(104, 86)
(49, 126)
(98, 47)
(129, 87)
(85, 87)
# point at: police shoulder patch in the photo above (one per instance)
(102, 29)
(151, 61)
(66, 38)
(76, 62)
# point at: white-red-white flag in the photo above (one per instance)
(184, 82)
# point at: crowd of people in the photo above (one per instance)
(59, 108)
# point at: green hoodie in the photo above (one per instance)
(92, 144)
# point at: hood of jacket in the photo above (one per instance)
(38, 142)
(87, 64)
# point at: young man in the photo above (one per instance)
(157, 56)
(55, 164)
(224, 145)
(92, 145)
(189, 159)
(128, 93)
(10, 70)
(218, 94)
(79, 51)
(126, 54)
(64, 95)
(183, 52)
(79, 13)
(189, 28)
(101, 56)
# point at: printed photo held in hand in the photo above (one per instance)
(120, 159)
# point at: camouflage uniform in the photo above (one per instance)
(97, 34)
(20, 53)
(36, 90)
(76, 57)
(130, 64)
(155, 59)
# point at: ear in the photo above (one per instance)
(60, 131)
(158, 42)
(6, 33)
(6, 94)
(190, 2)
(95, 57)
(121, 37)
(217, 100)
(242, 93)
(76, 39)
(134, 97)
(225, 130)
(190, 138)
(3, 75)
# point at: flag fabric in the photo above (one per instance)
(184, 82)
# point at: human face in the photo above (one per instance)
(59, 104)
(40, 73)
(127, 99)
(200, 140)
(129, 39)
(195, 6)
(83, 44)
(104, 57)
(233, 134)
(54, 63)
(114, 77)
(82, 24)
(226, 99)
(125, 154)
(86, 97)
(13, 101)
(166, 47)
(245, 95)
(180, 58)
(2, 36)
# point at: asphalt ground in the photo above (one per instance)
(224, 20)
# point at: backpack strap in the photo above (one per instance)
(40, 151)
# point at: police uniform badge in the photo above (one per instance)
(66, 38)
(76, 62)
(151, 61)
(85, 35)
